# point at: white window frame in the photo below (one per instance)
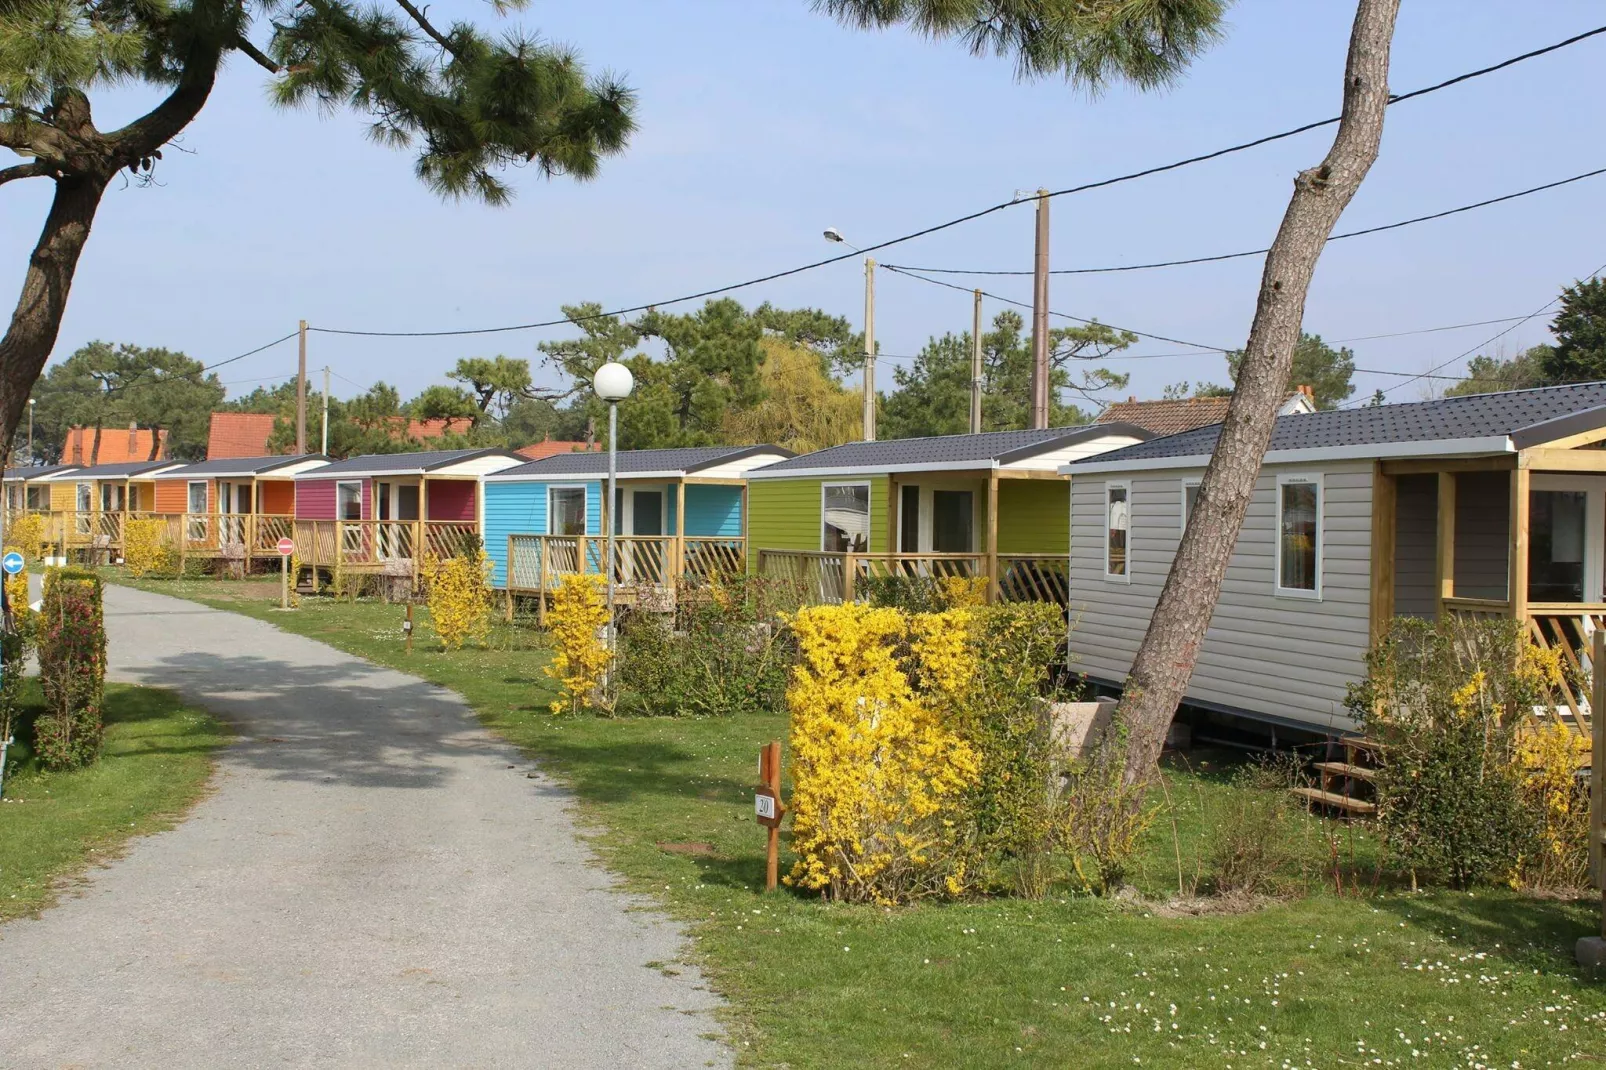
(348, 483)
(1283, 480)
(1104, 521)
(585, 506)
(869, 508)
(1188, 482)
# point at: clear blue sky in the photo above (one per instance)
(763, 123)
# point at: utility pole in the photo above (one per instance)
(869, 349)
(975, 368)
(325, 449)
(301, 392)
(1040, 316)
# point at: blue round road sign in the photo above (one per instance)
(12, 563)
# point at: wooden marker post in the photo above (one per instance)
(407, 627)
(767, 806)
(286, 547)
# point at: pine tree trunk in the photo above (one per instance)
(37, 319)
(1170, 648)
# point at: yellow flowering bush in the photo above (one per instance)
(459, 598)
(17, 598)
(26, 534)
(145, 548)
(1470, 788)
(1550, 756)
(878, 777)
(579, 656)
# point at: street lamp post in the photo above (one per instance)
(612, 383)
(30, 430)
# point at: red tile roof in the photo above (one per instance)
(1167, 417)
(239, 434)
(536, 451)
(427, 429)
(118, 445)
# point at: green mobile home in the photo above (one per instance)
(989, 505)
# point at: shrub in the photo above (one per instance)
(579, 656)
(1249, 850)
(1101, 817)
(878, 777)
(1556, 802)
(145, 548)
(459, 597)
(1000, 712)
(26, 534)
(1446, 700)
(730, 654)
(72, 669)
(16, 642)
(923, 594)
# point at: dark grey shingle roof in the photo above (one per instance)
(1474, 416)
(383, 463)
(685, 459)
(951, 449)
(225, 466)
(123, 470)
(38, 470)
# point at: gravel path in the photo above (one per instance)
(374, 882)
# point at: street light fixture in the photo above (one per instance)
(834, 235)
(612, 383)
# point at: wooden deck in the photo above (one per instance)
(826, 577)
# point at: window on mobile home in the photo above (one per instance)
(1117, 521)
(845, 512)
(1299, 535)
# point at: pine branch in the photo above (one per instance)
(243, 45)
(424, 24)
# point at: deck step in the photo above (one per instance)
(1345, 769)
(1338, 802)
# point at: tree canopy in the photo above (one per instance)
(1486, 375)
(1327, 371)
(1579, 354)
(933, 396)
(105, 386)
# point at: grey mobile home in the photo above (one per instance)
(1493, 504)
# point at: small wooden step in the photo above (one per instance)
(1337, 802)
(1345, 769)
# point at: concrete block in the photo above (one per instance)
(1591, 951)
(1076, 727)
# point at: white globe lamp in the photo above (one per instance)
(613, 382)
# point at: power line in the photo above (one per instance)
(1051, 312)
(1489, 341)
(969, 217)
(1218, 258)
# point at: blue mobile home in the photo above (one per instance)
(678, 513)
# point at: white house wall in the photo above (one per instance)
(737, 469)
(1051, 461)
(1289, 658)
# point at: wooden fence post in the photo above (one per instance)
(1597, 766)
(850, 568)
(543, 546)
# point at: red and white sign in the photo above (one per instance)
(287, 547)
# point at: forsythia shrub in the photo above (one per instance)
(877, 775)
(15, 645)
(1557, 802)
(72, 670)
(26, 534)
(1447, 701)
(145, 548)
(459, 598)
(579, 656)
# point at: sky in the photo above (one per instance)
(763, 123)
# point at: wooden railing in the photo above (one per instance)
(822, 576)
(538, 562)
(1567, 628)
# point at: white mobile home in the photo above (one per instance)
(1493, 504)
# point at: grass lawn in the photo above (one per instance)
(1386, 978)
(52, 825)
